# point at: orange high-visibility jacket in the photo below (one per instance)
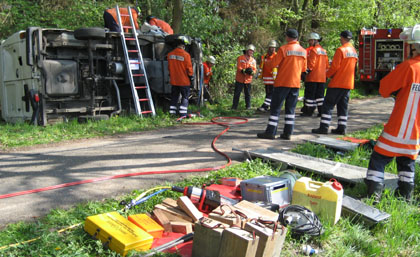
(317, 64)
(180, 67)
(207, 73)
(343, 67)
(308, 50)
(291, 62)
(267, 68)
(124, 19)
(401, 134)
(162, 24)
(244, 62)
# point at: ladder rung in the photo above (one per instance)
(130, 38)
(135, 62)
(138, 75)
(141, 87)
(126, 15)
(132, 51)
(143, 99)
(127, 27)
(146, 112)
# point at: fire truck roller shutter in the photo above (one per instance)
(89, 33)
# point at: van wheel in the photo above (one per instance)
(89, 33)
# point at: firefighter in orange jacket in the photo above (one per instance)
(111, 19)
(400, 137)
(207, 70)
(316, 78)
(180, 76)
(268, 74)
(342, 72)
(245, 69)
(152, 20)
(291, 63)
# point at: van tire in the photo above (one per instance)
(89, 33)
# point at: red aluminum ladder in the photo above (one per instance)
(135, 69)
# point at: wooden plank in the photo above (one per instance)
(189, 208)
(337, 144)
(255, 211)
(161, 218)
(181, 227)
(170, 202)
(175, 212)
(237, 242)
(329, 169)
(228, 217)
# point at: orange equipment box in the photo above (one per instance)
(147, 224)
(119, 234)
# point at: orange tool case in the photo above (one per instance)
(118, 233)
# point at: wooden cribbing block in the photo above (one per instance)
(189, 208)
(161, 218)
(178, 213)
(181, 227)
(255, 211)
(228, 217)
(238, 243)
(170, 202)
(207, 238)
(268, 245)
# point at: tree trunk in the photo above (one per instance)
(315, 20)
(300, 24)
(177, 16)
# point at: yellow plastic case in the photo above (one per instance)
(147, 224)
(117, 233)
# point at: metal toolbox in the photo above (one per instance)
(267, 189)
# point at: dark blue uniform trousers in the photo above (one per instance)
(281, 94)
(314, 96)
(236, 95)
(185, 93)
(339, 97)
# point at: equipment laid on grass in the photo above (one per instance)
(324, 199)
(301, 221)
(204, 197)
(361, 211)
(117, 233)
(267, 189)
(147, 224)
(168, 245)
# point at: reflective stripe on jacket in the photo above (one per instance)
(180, 67)
(291, 62)
(162, 24)
(207, 73)
(401, 133)
(267, 68)
(242, 63)
(318, 64)
(343, 67)
(124, 19)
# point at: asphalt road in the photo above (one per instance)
(176, 148)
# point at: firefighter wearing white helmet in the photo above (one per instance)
(268, 74)
(207, 70)
(246, 66)
(399, 138)
(316, 76)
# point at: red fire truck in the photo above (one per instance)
(380, 50)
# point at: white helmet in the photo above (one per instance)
(211, 59)
(411, 35)
(314, 35)
(272, 43)
(250, 47)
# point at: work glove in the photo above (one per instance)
(249, 71)
(191, 78)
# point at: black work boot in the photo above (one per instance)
(320, 130)
(404, 190)
(374, 189)
(340, 130)
(285, 136)
(266, 135)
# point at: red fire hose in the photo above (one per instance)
(222, 121)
